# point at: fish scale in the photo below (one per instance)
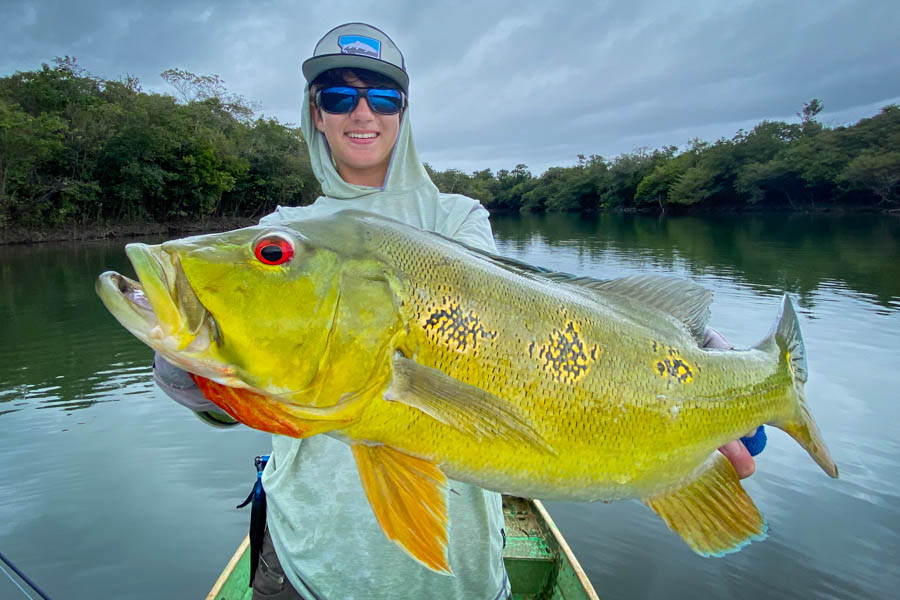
(433, 361)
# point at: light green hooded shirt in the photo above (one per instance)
(320, 521)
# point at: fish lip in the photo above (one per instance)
(128, 302)
(161, 308)
(125, 299)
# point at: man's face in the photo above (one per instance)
(361, 141)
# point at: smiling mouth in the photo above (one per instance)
(362, 136)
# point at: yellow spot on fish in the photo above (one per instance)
(564, 355)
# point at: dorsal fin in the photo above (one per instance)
(681, 298)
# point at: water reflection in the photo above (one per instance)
(60, 347)
(771, 253)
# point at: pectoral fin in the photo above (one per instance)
(712, 513)
(465, 407)
(409, 498)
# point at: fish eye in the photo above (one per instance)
(273, 250)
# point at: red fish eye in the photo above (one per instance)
(274, 251)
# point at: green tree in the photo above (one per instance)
(774, 179)
(278, 171)
(877, 173)
(28, 145)
(655, 187)
(810, 110)
(199, 88)
(619, 185)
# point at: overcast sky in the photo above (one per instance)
(498, 83)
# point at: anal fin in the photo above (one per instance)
(712, 513)
(409, 498)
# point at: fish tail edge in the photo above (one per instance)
(797, 421)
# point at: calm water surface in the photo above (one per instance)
(111, 490)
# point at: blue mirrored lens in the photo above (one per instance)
(386, 102)
(338, 99)
(343, 99)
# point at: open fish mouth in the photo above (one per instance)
(132, 291)
(125, 299)
(161, 309)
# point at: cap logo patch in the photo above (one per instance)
(358, 44)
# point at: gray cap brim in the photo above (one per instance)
(315, 66)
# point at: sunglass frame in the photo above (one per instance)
(361, 92)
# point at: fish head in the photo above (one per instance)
(261, 309)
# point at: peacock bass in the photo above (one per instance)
(433, 360)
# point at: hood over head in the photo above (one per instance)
(405, 176)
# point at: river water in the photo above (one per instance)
(111, 490)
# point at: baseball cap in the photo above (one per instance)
(357, 46)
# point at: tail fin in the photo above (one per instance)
(799, 424)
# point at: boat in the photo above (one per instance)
(538, 560)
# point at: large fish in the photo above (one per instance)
(436, 361)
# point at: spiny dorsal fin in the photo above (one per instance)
(686, 301)
(683, 299)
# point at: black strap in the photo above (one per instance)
(257, 515)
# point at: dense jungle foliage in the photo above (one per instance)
(801, 166)
(76, 149)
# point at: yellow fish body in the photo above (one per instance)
(435, 361)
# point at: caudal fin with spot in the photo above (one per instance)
(797, 421)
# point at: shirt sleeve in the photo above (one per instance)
(177, 384)
(475, 230)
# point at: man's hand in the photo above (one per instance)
(740, 457)
(737, 451)
(178, 385)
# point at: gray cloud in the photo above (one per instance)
(498, 83)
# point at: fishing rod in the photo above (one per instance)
(23, 577)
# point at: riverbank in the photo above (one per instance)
(23, 235)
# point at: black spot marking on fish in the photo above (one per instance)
(674, 367)
(448, 325)
(682, 370)
(563, 356)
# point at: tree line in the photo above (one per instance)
(77, 149)
(776, 165)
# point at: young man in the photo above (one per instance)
(323, 540)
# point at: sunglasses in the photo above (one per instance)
(343, 99)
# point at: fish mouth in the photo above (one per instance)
(162, 309)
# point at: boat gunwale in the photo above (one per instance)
(564, 548)
(225, 575)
